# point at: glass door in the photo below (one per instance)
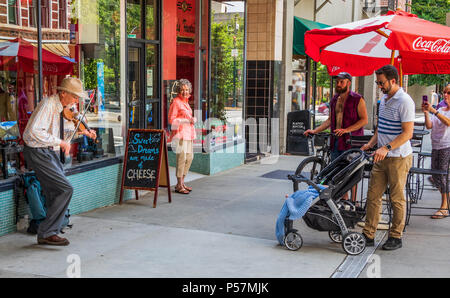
(151, 82)
(135, 82)
(144, 71)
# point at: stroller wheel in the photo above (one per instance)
(354, 243)
(335, 236)
(293, 241)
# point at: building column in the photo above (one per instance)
(286, 77)
(264, 69)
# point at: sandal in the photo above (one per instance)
(181, 191)
(440, 214)
(187, 188)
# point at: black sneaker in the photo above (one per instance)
(392, 244)
(369, 242)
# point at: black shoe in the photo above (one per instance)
(392, 244)
(369, 242)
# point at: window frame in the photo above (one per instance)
(45, 14)
(62, 14)
(13, 7)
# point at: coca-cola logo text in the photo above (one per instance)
(439, 46)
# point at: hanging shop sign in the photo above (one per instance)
(186, 28)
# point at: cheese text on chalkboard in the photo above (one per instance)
(141, 174)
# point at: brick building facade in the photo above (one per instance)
(18, 18)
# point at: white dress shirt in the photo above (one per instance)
(43, 127)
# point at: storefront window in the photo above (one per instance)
(83, 41)
(151, 19)
(216, 70)
(99, 59)
(227, 62)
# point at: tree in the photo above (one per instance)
(106, 14)
(434, 11)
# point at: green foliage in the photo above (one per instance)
(107, 16)
(90, 73)
(434, 11)
(431, 10)
(133, 18)
(323, 78)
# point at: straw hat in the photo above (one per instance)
(74, 86)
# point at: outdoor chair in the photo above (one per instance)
(415, 185)
(417, 140)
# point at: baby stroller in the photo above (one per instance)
(328, 212)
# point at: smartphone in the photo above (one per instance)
(424, 98)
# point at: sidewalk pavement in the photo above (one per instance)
(224, 229)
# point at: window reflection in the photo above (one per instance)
(152, 100)
(151, 19)
(227, 62)
(81, 40)
(134, 86)
(134, 19)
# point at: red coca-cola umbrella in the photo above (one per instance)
(413, 45)
(20, 54)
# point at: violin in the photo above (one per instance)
(70, 115)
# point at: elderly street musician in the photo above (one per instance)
(42, 138)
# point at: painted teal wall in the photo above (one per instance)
(92, 189)
(7, 211)
(101, 187)
(215, 162)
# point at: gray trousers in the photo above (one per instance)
(55, 187)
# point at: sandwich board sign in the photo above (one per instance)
(145, 164)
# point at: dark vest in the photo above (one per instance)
(349, 118)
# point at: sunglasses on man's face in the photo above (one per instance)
(448, 93)
(379, 83)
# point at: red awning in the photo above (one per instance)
(22, 55)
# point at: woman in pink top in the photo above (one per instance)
(183, 133)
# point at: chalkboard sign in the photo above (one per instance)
(145, 165)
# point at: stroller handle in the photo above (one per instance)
(368, 156)
(301, 178)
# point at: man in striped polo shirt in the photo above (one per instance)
(393, 158)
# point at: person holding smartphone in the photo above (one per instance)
(439, 123)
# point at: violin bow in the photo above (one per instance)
(82, 116)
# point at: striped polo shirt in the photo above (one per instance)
(399, 108)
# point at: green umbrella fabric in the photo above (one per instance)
(300, 27)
